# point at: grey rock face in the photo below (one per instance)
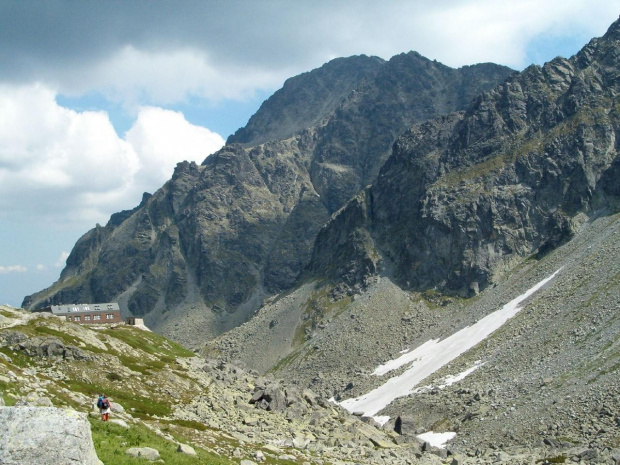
(119, 422)
(306, 99)
(465, 197)
(51, 347)
(219, 237)
(117, 408)
(272, 398)
(45, 436)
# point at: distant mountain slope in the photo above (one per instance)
(200, 255)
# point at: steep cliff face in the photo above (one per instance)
(465, 197)
(200, 256)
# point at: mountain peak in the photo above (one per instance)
(614, 31)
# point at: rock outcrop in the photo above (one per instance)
(46, 436)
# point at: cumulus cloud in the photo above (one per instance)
(161, 138)
(221, 50)
(12, 269)
(62, 260)
(500, 32)
(132, 76)
(60, 165)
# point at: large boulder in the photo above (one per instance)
(271, 397)
(45, 435)
(144, 452)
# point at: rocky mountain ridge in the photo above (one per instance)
(465, 197)
(201, 255)
(546, 382)
(470, 211)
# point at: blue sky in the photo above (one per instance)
(100, 100)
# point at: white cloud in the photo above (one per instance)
(162, 138)
(134, 76)
(217, 60)
(61, 166)
(487, 30)
(41, 267)
(12, 269)
(62, 260)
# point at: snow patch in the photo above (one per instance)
(437, 439)
(431, 356)
(408, 357)
(451, 379)
(381, 419)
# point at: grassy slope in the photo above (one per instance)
(150, 356)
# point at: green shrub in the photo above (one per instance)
(558, 459)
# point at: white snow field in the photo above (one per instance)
(431, 356)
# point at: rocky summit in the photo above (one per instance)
(394, 262)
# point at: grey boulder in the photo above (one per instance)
(144, 453)
(45, 435)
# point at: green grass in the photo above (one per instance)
(64, 337)
(186, 424)
(8, 401)
(19, 359)
(318, 307)
(151, 343)
(112, 441)
(144, 366)
(285, 361)
(143, 407)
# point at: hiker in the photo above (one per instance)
(104, 407)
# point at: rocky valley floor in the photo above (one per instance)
(544, 390)
(545, 384)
